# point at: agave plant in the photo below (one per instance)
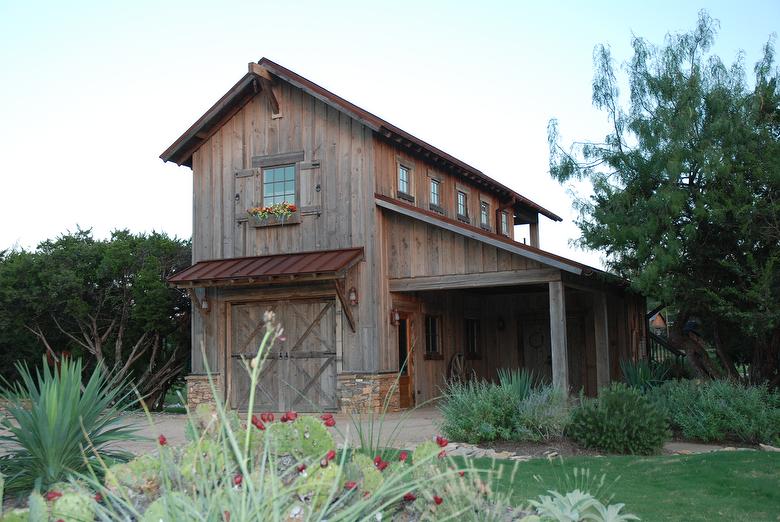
(56, 426)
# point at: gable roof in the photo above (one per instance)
(180, 152)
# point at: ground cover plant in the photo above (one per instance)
(56, 426)
(720, 410)
(620, 420)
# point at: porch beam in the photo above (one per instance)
(533, 232)
(476, 280)
(601, 325)
(558, 348)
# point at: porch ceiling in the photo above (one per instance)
(507, 278)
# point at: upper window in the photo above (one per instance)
(484, 214)
(432, 336)
(472, 339)
(435, 186)
(278, 185)
(463, 209)
(403, 180)
(505, 223)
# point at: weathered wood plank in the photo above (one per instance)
(485, 279)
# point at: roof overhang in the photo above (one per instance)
(180, 152)
(536, 254)
(320, 265)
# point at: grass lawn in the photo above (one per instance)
(729, 486)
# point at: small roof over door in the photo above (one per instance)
(279, 268)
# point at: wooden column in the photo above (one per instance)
(560, 363)
(533, 231)
(602, 339)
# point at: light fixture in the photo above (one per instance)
(353, 297)
(204, 304)
(395, 317)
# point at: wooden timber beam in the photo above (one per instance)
(478, 280)
(345, 304)
(202, 310)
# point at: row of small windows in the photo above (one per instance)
(461, 201)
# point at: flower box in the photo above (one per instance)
(277, 214)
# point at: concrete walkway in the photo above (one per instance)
(399, 430)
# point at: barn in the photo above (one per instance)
(392, 265)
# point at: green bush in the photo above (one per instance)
(643, 374)
(620, 420)
(720, 410)
(478, 411)
(513, 409)
(56, 426)
(543, 415)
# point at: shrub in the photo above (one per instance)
(543, 415)
(643, 374)
(578, 505)
(620, 420)
(720, 410)
(56, 427)
(518, 382)
(478, 411)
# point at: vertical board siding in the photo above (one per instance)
(340, 215)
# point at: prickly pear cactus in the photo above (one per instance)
(370, 478)
(74, 507)
(314, 439)
(282, 439)
(202, 458)
(16, 515)
(39, 511)
(168, 508)
(424, 458)
(316, 488)
(141, 475)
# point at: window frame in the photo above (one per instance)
(272, 161)
(437, 206)
(263, 182)
(484, 214)
(503, 222)
(433, 319)
(475, 352)
(462, 217)
(407, 195)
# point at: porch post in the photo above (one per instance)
(602, 339)
(560, 364)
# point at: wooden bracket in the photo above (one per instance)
(203, 310)
(268, 84)
(345, 304)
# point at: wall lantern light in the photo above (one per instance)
(353, 297)
(395, 317)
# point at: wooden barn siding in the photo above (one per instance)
(344, 148)
(387, 157)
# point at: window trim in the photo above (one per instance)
(477, 353)
(484, 224)
(462, 217)
(433, 355)
(262, 163)
(502, 216)
(409, 167)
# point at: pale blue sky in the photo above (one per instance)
(92, 92)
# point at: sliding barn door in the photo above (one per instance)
(299, 372)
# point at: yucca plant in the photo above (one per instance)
(55, 426)
(519, 380)
(643, 374)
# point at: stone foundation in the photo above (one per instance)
(361, 393)
(199, 390)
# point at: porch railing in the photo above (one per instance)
(661, 351)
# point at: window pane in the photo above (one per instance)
(484, 213)
(289, 173)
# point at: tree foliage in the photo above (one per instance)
(104, 300)
(686, 191)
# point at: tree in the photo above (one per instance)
(685, 195)
(104, 299)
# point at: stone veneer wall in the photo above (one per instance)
(199, 391)
(360, 393)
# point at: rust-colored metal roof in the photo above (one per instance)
(324, 264)
(182, 149)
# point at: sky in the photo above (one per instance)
(92, 92)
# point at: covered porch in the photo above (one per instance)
(569, 330)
